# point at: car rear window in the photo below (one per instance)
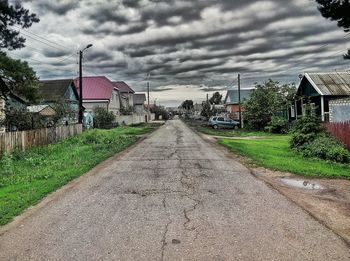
(214, 119)
(220, 119)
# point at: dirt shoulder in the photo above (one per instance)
(330, 204)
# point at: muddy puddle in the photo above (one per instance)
(303, 184)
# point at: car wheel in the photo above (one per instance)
(236, 127)
(215, 126)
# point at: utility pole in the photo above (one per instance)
(239, 101)
(81, 83)
(80, 87)
(149, 109)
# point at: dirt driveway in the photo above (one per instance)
(172, 197)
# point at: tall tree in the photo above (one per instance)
(19, 77)
(215, 98)
(266, 101)
(337, 10)
(187, 105)
(15, 75)
(11, 15)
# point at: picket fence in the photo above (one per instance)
(23, 140)
(340, 130)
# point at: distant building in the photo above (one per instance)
(126, 93)
(231, 102)
(139, 103)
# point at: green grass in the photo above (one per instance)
(232, 133)
(26, 177)
(274, 153)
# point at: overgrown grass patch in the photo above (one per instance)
(26, 177)
(274, 153)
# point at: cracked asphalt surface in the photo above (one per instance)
(171, 197)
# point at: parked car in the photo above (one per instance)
(221, 122)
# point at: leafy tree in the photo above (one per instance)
(187, 105)
(15, 75)
(102, 118)
(215, 98)
(64, 111)
(11, 15)
(206, 109)
(18, 118)
(267, 101)
(337, 10)
(20, 78)
(160, 111)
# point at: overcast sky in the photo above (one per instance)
(189, 47)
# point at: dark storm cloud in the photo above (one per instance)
(54, 52)
(59, 7)
(195, 41)
(213, 89)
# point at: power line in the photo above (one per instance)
(27, 32)
(18, 56)
(48, 44)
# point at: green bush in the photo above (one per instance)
(327, 148)
(277, 125)
(306, 129)
(6, 164)
(104, 119)
(312, 140)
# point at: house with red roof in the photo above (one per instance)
(126, 92)
(99, 91)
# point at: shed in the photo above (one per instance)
(42, 110)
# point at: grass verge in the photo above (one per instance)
(232, 133)
(274, 153)
(26, 177)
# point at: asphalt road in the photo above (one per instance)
(171, 197)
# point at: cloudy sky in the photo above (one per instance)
(189, 47)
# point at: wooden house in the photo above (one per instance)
(53, 92)
(319, 89)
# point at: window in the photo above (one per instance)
(312, 107)
(221, 119)
(292, 111)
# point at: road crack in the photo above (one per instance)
(166, 228)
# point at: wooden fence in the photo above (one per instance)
(340, 130)
(26, 139)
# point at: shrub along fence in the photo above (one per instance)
(23, 140)
(340, 130)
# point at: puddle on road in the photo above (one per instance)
(304, 184)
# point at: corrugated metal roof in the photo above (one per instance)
(332, 83)
(45, 110)
(123, 87)
(53, 90)
(96, 87)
